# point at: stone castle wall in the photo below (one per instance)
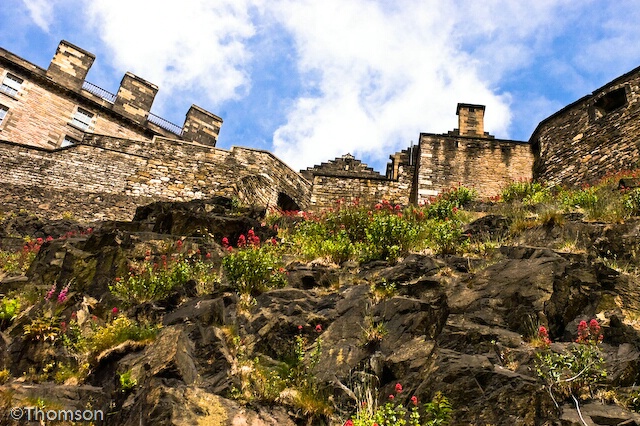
(107, 178)
(595, 135)
(486, 165)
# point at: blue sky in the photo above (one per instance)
(311, 80)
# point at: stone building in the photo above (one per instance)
(464, 156)
(57, 107)
(595, 135)
(68, 146)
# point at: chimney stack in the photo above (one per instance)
(470, 120)
(70, 65)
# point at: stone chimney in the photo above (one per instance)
(135, 97)
(201, 126)
(70, 65)
(470, 120)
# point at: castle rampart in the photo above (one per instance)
(596, 135)
(107, 177)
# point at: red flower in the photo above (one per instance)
(398, 388)
(49, 238)
(299, 327)
(114, 311)
(319, 328)
(274, 242)
(348, 423)
(208, 255)
(118, 279)
(414, 400)
(225, 242)
(242, 240)
(39, 241)
(391, 396)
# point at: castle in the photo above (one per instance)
(67, 145)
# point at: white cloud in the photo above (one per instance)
(195, 45)
(41, 11)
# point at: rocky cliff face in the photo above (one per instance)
(466, 327)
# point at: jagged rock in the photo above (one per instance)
(170, 356)
(489, 227)
(162, 404)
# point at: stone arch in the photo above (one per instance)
(286, 203)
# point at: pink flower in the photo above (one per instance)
(208, 255)
(319, 328)
(299, 327)
(114, 311)
(225, 242)
(242, 240)
(51, 292)
(391, 396)
(398, 388)
(414, 400)
(348, 423)
(39, 241)
(62, 297)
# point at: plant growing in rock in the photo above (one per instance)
(19, 261)
(9, 310)
(127, 381)
(525, 191)
(393, 413)
(155, 278)
(253, 267)
(575, 371)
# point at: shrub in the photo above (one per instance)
(255, 268)
(118, 331)
(127, 381)
(149, 281)
(577, 369)
(525, 191)
(631, 202)
(9, 310)
(393, 413)
(445, 236)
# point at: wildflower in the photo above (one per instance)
(242, 240)
(299, 327)
(114, 311)
(319, 328)
(118, 279)
(544, 335)
(414, 400)
(39, 241)
(179, 244)
(49, 238)
(274, 242)
(62, 297)
(398, 388)
(398, 207)
(348, 423)
(225, 242)
(208, 255)
(378, 206)
(51, 292)
(391, 396)
(63, 326)
(229, 249)
(73, 315)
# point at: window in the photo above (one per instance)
(68, 141)
(82, 119)
(11, 84)
(609, 103)
(3, 112)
